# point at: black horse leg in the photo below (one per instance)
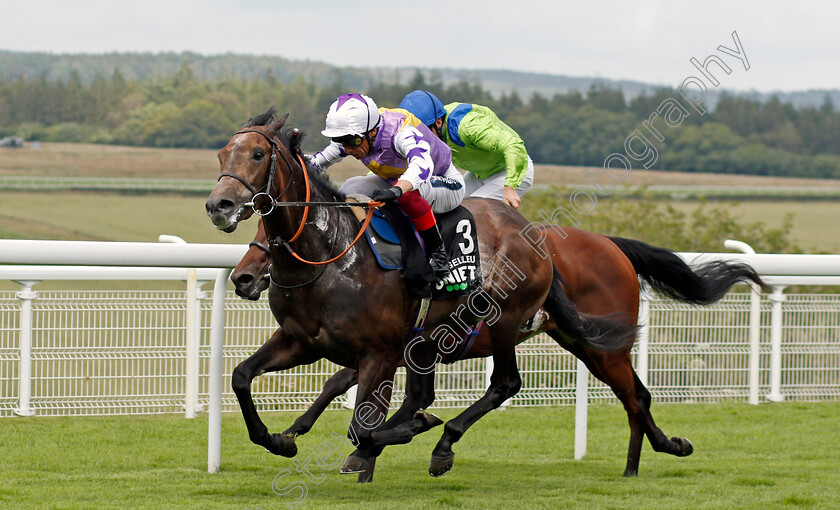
(679, 446)
(376, 381)
(337, 385)
(505, 382)
(409, 420)
(280, 352)
(401, 427)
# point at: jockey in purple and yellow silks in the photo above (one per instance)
(410, 164)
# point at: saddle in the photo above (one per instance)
(397, 245)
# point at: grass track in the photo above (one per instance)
(770, 456)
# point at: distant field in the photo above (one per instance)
(118, 217)
(815, 224)
(91, 216)
(79, 160)
(556, 175)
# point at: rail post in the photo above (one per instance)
(581, 409)
(777, 298)
(217, 348)
(191, 327)
(200, 295)
(26, 295)
(755, 323)
(643, 334)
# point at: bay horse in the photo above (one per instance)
(350, 311)
(600, 277)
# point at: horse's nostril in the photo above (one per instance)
(244, 279)
(222, 206)
(226, 205)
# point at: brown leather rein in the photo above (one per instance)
(275, 150)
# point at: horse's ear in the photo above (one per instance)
(278, 124)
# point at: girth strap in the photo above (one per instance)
(420, 321)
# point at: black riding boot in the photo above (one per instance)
(435, 250)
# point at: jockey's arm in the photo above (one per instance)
(493, 138)
(416, 150)
(325, 158)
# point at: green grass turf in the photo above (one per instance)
(770, 456)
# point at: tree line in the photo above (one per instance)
(742, 135)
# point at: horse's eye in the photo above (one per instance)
(259, 155)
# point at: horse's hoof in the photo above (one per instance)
(686, 448)
(429, 420)
(630, 474)
(295, 431)
(354, 464)
(280, 444)
(365, 477)
(441, 464)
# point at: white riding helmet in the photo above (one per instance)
(351, 114)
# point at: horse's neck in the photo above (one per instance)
(326, 232)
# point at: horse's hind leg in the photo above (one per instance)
(614, 368)
(280, 352)
(505, 382)
(337, 385)
(679, 446)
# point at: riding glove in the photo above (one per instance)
(386, 195)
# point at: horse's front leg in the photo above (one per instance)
(376, 381)
(337, 385)
(280, 352)
(401, 427)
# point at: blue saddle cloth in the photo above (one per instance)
(385, 242)
(390, 232)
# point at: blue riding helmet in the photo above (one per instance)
(424, 105)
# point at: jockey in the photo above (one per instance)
(493, 155)
(409, 164)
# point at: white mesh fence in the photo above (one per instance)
(123, 352)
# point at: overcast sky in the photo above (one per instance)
(789, 45)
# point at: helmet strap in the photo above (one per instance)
(369, 139)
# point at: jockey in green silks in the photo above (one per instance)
(490, 152)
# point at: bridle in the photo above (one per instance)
(272, 172)
(268, 187)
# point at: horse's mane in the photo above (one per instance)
(318, 179)
(262, 119)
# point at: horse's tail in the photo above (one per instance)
(663, 270)
(602, 332)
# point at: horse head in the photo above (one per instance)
(251, 276)
(249, 165)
